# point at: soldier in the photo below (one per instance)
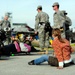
(58, 18)
(40, 20)
(6, 26)
(5, 23)
(68, 23)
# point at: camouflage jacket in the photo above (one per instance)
(4, 24)
(41, 17)
(58, 19)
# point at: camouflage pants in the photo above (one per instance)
(43, 37)
(63, 34)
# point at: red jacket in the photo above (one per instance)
(62, 51)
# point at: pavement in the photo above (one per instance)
(18, 65)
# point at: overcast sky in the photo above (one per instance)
(24, 11)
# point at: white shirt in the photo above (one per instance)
(23, 48)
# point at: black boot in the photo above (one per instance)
(72, 62)
(69, 64)
(31, 62)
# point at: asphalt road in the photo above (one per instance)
(18, 65)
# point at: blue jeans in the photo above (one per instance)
(42, 59)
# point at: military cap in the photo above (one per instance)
(55, 4)
(39, 7)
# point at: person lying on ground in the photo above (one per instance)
(17, 47)
(9, 49)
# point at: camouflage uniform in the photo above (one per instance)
(59, 21)
(42, 17)
(6, 24)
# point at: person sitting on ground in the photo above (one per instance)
(62, 52)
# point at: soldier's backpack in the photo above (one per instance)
(67, 19)
(48, 28)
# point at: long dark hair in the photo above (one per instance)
(57, 33)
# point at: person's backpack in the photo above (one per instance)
(48, 28)
(68, 21)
